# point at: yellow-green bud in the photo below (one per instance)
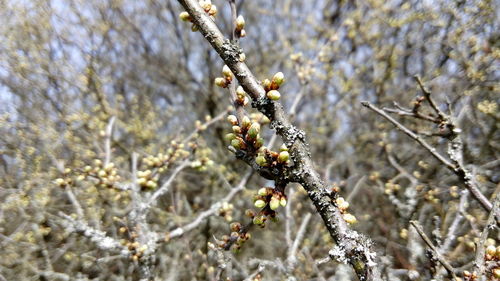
(240, 22)
(236, 143)
(87, 169)
(260, 160)
(213, 11)
(278, 78)
(273, 95)
(232, 119)
(184, 16)
(283, 148)
(283, 201)
(342, 204)
(491, 250)
(242, 57)
(60, 182)
(226, 71)
(151, 184)
(221, 82)
(262, 192)
(254, 130)
(266, 83)
(230, 137)
(237, 129)
(350, 219)
(245, 123)
(283, 157)
(259, 203)
(240, 91)
(194, 28)
(275, 203)
(258, 220)
(258, 143)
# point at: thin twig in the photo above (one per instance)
(435, 251)
(107, 141)
(212, 210)
(480, 252)
(458, 169)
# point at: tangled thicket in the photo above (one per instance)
(114, 141)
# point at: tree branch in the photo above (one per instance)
(355, 246)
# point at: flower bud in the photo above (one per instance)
(227, 72)
(240, 91)
(258, 143)
(254, 130)
(259, 203)
(283, 157)
(283, 201)
(235, 226)
(232, 119)
(350, 219)
(243, 33)
(266, 84)
(237, 129)
(213, 11)
(260, 160)
(184, 16)
(263, 191)
(283, 148)
(258, 220)
(245, 122)
(230, 137)
(151, 184)
(273, 95)
(250, 213)
(60, 182)
(275, 203)
(221, 82)
(278, 78)
(491, 250)
(194, 28)
(240, 22)
(236, 143)
(242, 57)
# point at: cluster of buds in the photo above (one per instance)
(147, 180)
(226, 211)
(239, 26)
(268, 158)
(207, 6)
(271, 86)
(107, 175)
(245, 135)
(236, 239)
(269, 200)
(225, 80)
(492, 253)
(391, 188)
(269, 195)
(65, 180)
(202, 164)
(343, 206)
(162, 161)
(136, 249)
